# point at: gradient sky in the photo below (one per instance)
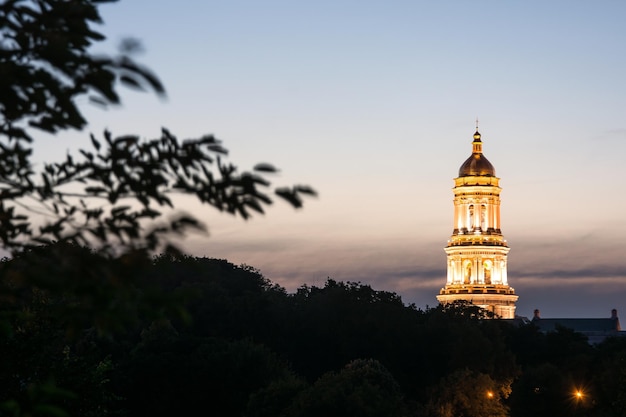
(373, 104)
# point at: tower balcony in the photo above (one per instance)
(466, 231)
(477, 240)
(456, 289)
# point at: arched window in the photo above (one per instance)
(467, 272)
(487, 268)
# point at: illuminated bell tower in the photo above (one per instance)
(477, 251)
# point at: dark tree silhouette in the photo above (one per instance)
(110, 195)
(107, 193)
(363, 388)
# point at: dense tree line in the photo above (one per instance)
(204, 334)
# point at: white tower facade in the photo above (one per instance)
(477, 251)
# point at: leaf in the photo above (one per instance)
(98, 101)
(148, 212)
(218, 149)
(305, 189)
(95, 143)
(95, 190)
(264, 167)
(254, 205)
(130, 82)
(288, 195)
(127, 64)
(86, 154)
(119, 210)
(130, 46)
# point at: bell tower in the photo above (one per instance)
(477, 251)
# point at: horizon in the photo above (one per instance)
(373, 106)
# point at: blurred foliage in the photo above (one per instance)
(111, 193)
(46, 66)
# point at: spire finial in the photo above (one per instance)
(476, 134)
(477, 146)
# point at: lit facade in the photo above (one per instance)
(477, 251)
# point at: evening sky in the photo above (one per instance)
(374, 104)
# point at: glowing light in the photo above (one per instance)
(579, 395)
(489, 394)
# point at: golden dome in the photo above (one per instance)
(477, 164)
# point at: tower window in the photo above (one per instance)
(487, 267)
(467, 272)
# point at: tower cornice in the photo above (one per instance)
(477, 181)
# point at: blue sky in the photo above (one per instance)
(373, 104)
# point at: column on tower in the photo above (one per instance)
(504, 274)
(475, 269)
(490, 205)
(497, 222)
(496, 271)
